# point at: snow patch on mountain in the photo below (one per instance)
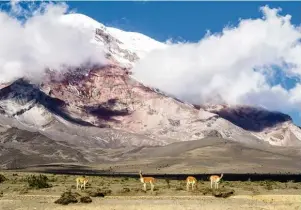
(136, 42)
(125, 47)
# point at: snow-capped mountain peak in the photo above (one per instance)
(123, 46)
(108, 96)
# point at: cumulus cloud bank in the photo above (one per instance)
(234, 66)
(35, 38)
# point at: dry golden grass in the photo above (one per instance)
(132, 186)
(102, 189)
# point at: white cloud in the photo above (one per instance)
(223, 64)
(42, 41)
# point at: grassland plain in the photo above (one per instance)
(20, 190)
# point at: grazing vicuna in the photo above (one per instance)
(81, 182)
(190, 180)
(215, 179)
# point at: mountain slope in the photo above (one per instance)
(273, 127)
(93, 111)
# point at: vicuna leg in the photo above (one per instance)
(211, 184)
(187, 186)
(152, 186)
(144, 186)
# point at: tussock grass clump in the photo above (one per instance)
(2, 178)
(292, 185)
(85, 199)
(38, 182)
(72, 197)
(1, 194)
(223, 192)
(206, 191)
(67, 197)
(220, 193)
(267, 184)
(124, 190)
(23, 191)
(99, 192)
(227, 183)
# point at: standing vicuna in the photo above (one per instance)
(215, 179)
(145, 180)
(81, 182)
(190, 180)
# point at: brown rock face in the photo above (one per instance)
(110, 96)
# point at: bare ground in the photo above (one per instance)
(31, 202)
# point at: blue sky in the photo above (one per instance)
(184, 20)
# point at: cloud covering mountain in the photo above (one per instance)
(235, 66)
(35, 38)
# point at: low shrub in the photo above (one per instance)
(99, 192)
(2, 178)
(223, 193)
(38, 182)
(67, 197)
(85, 199)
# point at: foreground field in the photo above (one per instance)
(289, 202)
(126, 193)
